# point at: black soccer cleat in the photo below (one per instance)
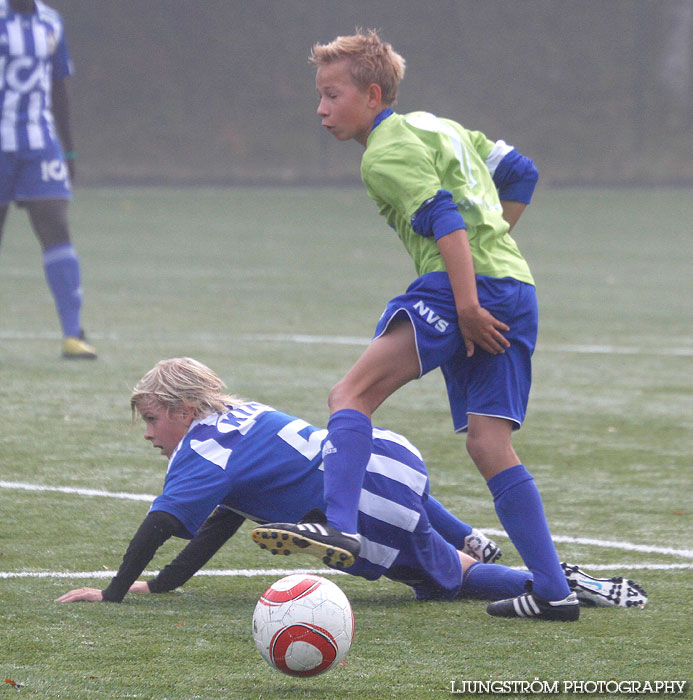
(602, 592)
(311, 536)
(531, 605)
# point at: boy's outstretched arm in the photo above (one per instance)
(155, 529)
(214, 533)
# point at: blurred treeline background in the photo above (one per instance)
(597, 92)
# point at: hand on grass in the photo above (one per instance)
(89, 594)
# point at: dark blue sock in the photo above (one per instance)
(493, 582)
(521, 512)
(346, 453)
(61, 266)
(446, 524)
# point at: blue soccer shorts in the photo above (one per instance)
(484, 384)
(397, 539)
(34, 174)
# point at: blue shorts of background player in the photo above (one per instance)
(35, 174)
(483, 384)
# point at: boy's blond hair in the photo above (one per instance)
(180, 383)
(371, 61)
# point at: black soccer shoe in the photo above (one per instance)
(531, 605)
(603, 592)
(311, 536)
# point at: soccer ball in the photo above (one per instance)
(303, 625)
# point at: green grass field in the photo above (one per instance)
(278, 291)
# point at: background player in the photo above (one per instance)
(35, 172)
(261, 463)
(452, 196)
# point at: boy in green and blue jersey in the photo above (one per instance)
(452, 196)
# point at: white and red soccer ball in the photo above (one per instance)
(303, 625)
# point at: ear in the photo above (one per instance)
(187, 412)
(375, 95)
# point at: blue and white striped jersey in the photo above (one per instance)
(267, 466)
(33, 52)
(259, 462)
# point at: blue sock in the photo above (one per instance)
(346, 452)
(493, 582)
(446, 524)
(521, 512)
(61, 266)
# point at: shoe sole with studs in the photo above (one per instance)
(282, 542)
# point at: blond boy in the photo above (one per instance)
(452, 195)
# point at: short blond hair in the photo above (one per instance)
(180, 383)
(371, 60)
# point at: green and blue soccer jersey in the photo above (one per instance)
(410, 158)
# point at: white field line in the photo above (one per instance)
(606, 544)
(249, 573)
(594, 349)
(244, 573)
(306, 339)
(18, 485)
(609, 544)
